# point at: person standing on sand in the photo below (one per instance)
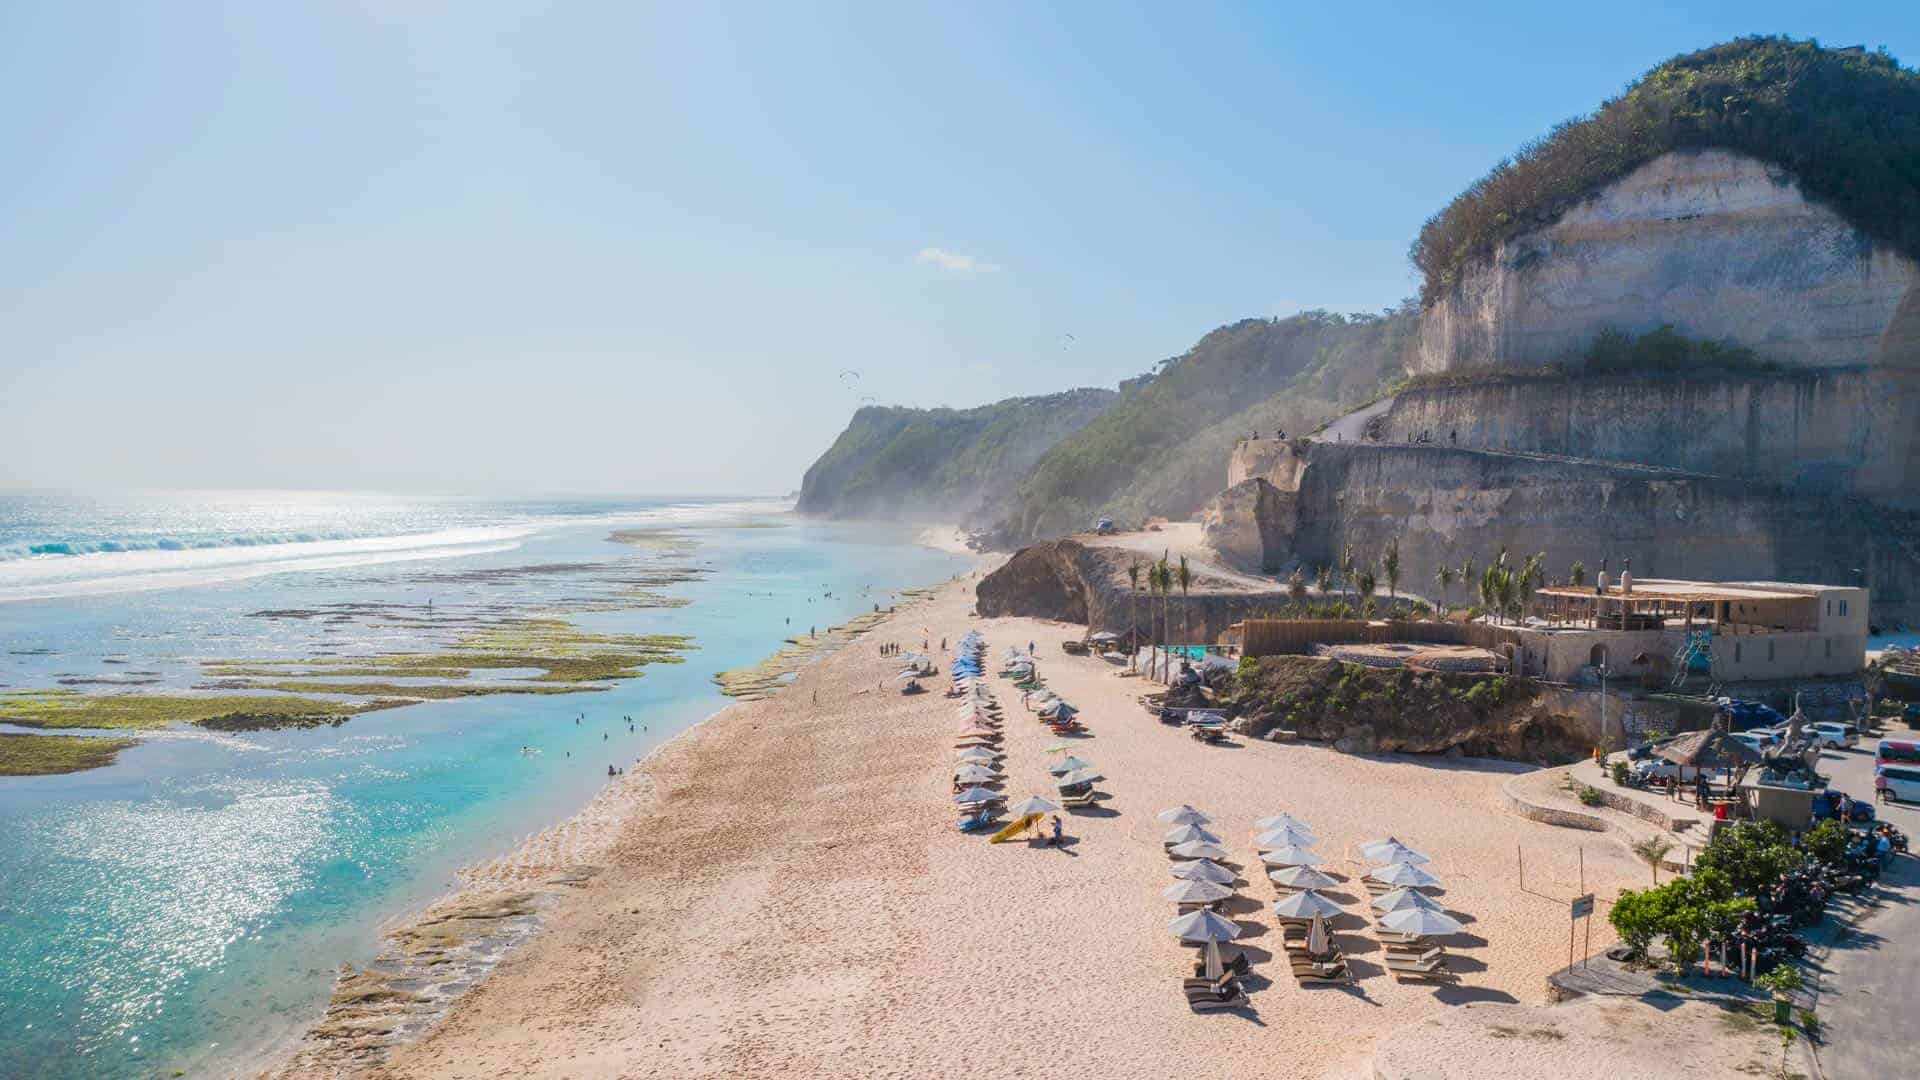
(1056, 830)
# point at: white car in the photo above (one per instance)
(1827, 735)
(1761, 741)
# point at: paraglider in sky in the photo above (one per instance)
(1066, 343)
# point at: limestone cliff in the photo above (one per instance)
(1719, 245)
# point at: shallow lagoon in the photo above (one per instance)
(187, 907)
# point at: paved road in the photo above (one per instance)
(1870, 993)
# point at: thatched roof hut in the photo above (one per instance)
(1710, 749)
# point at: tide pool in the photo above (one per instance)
(187, 907)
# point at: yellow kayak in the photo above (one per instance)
(1015, 829)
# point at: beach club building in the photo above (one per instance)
(1725, 631)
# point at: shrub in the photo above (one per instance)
(1750, 855)
(1846, 122)
(1589, 796)
(1619, 771)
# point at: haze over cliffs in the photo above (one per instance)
(1683, 330)
(941, 465)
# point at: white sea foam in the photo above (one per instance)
(121, 570)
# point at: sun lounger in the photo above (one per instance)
(1205, 995)
(1235, 963)
(977, 821)
(1077, 800)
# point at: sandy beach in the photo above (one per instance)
(787, 895)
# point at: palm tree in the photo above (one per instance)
(1532, 576)
(1297, 588)
(1323, 580)
(1133, 612)
(1186, 603)
(1346, 570)
(1651, 851)
(1153, 632)
(1577, 574)
(1367, 584)
(1390, 566)
(1443, 577)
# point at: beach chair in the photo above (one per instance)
(978, 821)
(1235, 962)
(1204, 995)
(1072, 801)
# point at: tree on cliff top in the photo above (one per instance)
(1844, 122)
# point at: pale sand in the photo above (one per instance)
(794, 900)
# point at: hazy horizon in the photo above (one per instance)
(603, 248)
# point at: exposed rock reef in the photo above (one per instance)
(1718, 245)
(941, 465)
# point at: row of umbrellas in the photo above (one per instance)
(978, 741)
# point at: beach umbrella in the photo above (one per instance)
(1195, 891)
(976, 753)
(1032, 804)
(1104, 635)
(1421, 922)
(1183, 815)
(979, 733)
(1209, 928)
(1078, 777)
(1290, 856)
(1059, 748)
(1180, 834)
(1278, 821)
(1301, 877)
(1067, 765)
(1304, 904)
(1199, 849)
(975, 774)
(976, 795)
(973, 740)
(1318, 943)
(1390, 850)
(1204, 870)
(1402, 898)
(906, 676)
(1281, 836)
(1406, 875)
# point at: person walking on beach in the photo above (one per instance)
(1056, 830)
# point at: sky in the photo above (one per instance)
(632, 248)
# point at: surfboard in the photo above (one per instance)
(1014, 829)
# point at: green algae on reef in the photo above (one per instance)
(49, 755)
(137, 711)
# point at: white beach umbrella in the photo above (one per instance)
(1180, 834)
(1183, 815)
(1199, 849)
(1032, 804)
(1290, 856)
(1078, 777)
(1421, 922)
(975, 774)
(1304, 904)
(1406, 875)
(1318, 943)
(1403, 898)
(978, 733)
(1301, 877)
(1068, 764)
(975, 740)
(976, 795)
(1277, 820)
(1058, 748)
(1209, 928)
(1204, 870)
(1390, 850)
(1195, 891)
(976, 753)
(1282, 836)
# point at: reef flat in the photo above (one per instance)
(145, 711)
(48, 755)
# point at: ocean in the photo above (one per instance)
(186, 908)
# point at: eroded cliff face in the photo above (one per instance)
(1444, 505)
(1246, 521)
(1719, 245)
(1829, 429)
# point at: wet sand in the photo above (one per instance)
(786, 895)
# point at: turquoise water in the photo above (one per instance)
(187, 907)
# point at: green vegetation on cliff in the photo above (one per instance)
(1844, 122)
(1659, 353)
(947, 465)
(1162, 448)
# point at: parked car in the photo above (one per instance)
(1761, 741)
(1829, 735)
(1827, 805)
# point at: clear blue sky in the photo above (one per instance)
(629, 247)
